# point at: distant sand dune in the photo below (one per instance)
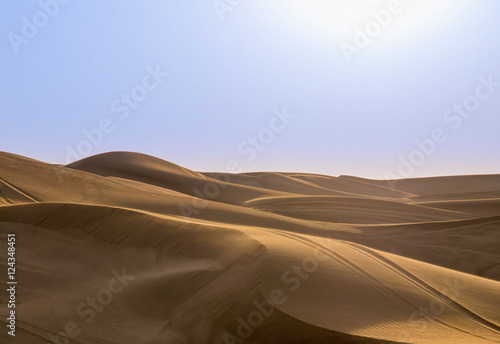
(344, 259)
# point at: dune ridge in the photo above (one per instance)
(248, 258)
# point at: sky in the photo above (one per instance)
(376, 89)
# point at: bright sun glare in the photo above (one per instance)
(340, 18)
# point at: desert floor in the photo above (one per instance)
(127, 248)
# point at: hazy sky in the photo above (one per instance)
(333, 87)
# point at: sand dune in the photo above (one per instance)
(127, 248)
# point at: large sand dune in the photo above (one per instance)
(127, 248)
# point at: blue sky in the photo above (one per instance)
(233, 65)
